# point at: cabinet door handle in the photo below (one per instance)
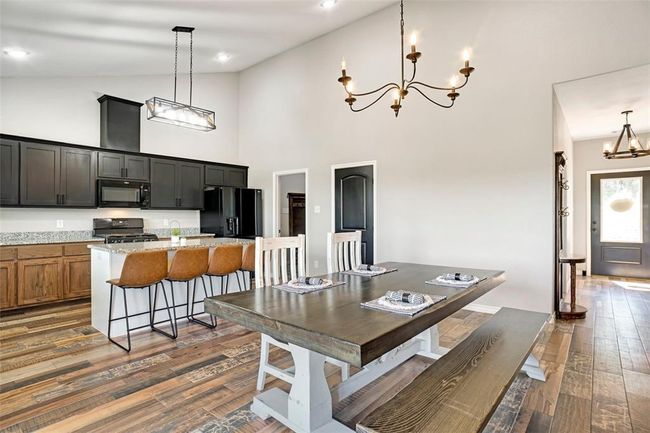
(62, 198)
(126, 172)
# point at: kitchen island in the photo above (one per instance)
(106, 263)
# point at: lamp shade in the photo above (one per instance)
(175, 113)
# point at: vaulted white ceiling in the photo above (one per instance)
(133, 37)
(592, 106)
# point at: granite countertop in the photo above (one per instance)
(54, 237)
(166, 245)
(67, 236)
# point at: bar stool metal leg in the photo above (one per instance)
(172, 322)
(191, 317)
(111, 320)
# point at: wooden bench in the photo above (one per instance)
(460, 391)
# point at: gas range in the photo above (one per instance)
(121, 230)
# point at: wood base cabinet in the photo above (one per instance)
(39, 274)
(8, 294)
(76, 277)
(39, 280)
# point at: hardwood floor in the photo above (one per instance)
(58, 374)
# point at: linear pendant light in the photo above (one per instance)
(176, 113)
(634, 149)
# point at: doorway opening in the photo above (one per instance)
(290, 203)
(354, 204)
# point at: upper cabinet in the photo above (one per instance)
(57, 176)
(39, 174)
(78, 177)
(120, 166)
(9, 169)
(221, 175)
(176, 184)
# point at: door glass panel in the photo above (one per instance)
(621, 212)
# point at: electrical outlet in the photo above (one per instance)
(59, 224)
(165, 223)
(316, 264)
(316, 209)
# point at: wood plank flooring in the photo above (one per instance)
(58, 374)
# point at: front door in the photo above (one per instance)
(353, 205)
(620, 224)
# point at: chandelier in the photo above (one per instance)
(634, 146)
(402, 89)
(176, 113)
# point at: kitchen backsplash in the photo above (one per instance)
(13, 220)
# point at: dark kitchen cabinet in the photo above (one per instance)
(136, 167)
(40, 171)
(215, 175)
(176, 184)
(163, 184)
(236, 177)
(78, 177)
(220, 175)
(9, 169)
(120, 166)
(190, 185)
(57, 176)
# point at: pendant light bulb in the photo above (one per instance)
(467, 53)
(414, 38)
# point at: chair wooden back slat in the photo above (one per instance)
(343, 251)
(271, 260)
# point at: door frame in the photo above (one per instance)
(276, 205)
(334, 167)
(588, 197)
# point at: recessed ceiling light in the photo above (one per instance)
(16, 53)
(327, 4)
(223, 57)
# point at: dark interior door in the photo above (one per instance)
(297, 221)
(620, 224)
(353, 206)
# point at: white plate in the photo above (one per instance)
(294, 284)
(363, 271)
(403, 306)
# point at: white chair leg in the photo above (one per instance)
(264, 359)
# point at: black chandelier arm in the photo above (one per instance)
(391, 85)
(431, 100)
(356, 110)
(438, 88)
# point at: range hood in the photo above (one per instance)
(119, 124)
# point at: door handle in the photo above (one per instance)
(126, 172)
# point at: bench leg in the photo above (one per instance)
(532, 368)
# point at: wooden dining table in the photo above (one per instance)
(332, 323)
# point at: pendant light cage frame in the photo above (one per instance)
(635, 148)
(174, 112)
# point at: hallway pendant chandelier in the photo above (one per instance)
(399, 91)
(176, 113)
(634, 146)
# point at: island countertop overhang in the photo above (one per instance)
(126, 248)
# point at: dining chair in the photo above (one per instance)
(277, 261)
(343, 251)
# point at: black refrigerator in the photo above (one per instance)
(232, 212)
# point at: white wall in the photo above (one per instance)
(288, 183)
(471, 186)
(588, 156)
(66, 109)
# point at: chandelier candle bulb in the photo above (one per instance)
(343, 66)
(414, 39)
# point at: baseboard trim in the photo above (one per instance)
(481, 308)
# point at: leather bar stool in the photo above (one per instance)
(187, 266)
(226, 259)
(248, 265)
(141, 270)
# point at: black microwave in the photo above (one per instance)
(123, 193)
